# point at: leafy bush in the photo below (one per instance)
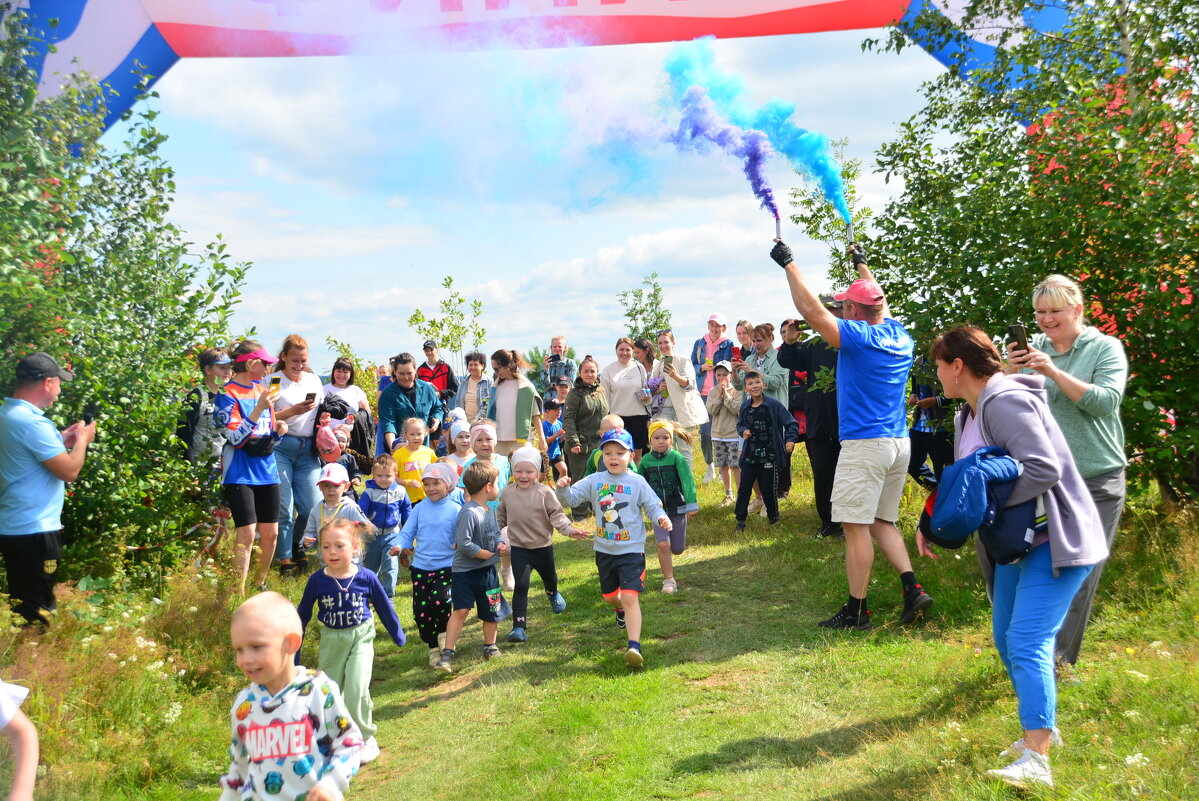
(95, 275)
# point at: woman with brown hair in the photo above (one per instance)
(1030, 597)
(300, 392)
(626, 383)
(681, 401)
(515, 405)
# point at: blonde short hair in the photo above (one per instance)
(273, 608)
(1057, 290)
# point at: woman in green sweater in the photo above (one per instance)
(1086, 372)
(586, 405)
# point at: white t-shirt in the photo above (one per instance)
(351, 394)
(11, 697)
(293, 392)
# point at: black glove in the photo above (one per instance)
(857, 254)
(781, 254)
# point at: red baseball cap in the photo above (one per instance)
(863, 291)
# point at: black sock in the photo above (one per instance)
(908, 580)
(855, 606)
(447, 651)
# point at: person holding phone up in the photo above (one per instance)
(300, 392)
(1086, 371)
(682, 402)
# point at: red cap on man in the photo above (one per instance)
(864, 291)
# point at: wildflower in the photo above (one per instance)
(1132, 713)
(1136, 760)
(193, 609)
(978, 652)
(157, 600)
(1137, 674)
(953, 725)
(172, 713)
(1130, 651)
(107, 628)
(182, 671)
(111, 655)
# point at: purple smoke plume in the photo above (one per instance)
(702, 124)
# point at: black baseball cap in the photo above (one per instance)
(430, 344)
(40, 365)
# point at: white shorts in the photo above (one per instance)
(869, 479)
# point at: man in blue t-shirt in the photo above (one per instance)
(34, 466)
(875, 356)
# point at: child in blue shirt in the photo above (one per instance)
(551, 426)
(385, 503)
(344, 594)
(619, 498)
(427, 542)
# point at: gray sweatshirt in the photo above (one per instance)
(618, 502)
(1013, 414)
(475, 529)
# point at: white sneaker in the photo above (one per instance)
(669, 585)
(369, 752)
(1015, 749)
(1030, 770)
(757, 505)
(434, 656)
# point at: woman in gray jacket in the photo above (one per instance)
(1030, 597)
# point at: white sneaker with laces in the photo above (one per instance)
(669, 585)
(369, 752)
(1030, 770)
(1014, 750)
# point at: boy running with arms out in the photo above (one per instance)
(619, 497)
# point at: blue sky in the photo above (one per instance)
(355, 184)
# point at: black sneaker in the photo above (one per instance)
(832, 531)
(620, 618)
(741, 525)
(915, 602)
(845, 620)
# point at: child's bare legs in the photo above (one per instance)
(489, 632)
(241, 554)
(22, 736)
(665, 562)
(630, 602)
(454, 627)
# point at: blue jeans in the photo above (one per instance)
(299, 469)
(1030, 605)
(385, 566)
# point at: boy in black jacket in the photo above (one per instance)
(770, 434)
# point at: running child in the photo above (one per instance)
(344, 594)
(619, 497)
(385, 504)
(770, 434)
(333, 483)
(607, 423)
(460, 450)
(427, 546)
(483, 442)
(529, 513)
(669, 475)
(477, 548)
(292, 736)
(412, 457)
(22, 739)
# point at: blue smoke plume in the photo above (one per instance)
(702, 124)
(693, 65)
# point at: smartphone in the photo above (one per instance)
(667, 359)
(1018, 335)
(555, 357)
(90, 412)
(310, 397)
(736, 353)
(276, 379)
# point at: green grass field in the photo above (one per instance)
(742, 696)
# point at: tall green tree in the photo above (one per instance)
(1101, 186)
(92, 272)
(644, 309)
(457, 326)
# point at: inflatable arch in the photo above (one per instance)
(120, 41)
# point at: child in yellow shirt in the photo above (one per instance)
(412, 456)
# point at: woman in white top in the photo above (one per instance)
(626, 383)
(681, 399)
(341, 383)
(300, 392)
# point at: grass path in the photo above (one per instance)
(743, 697)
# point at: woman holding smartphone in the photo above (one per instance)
(625, 382)
(681, 401)
(300, 392)
(244, 414)
(1086, 372)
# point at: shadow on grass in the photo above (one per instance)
(754, 753)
